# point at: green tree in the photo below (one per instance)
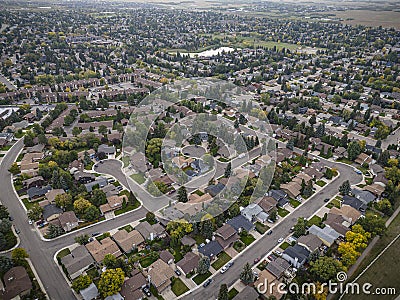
(82, 239)
(353, 150)
(5, 225)
(247, 276)
(182, 195)
(204, 265)
(228, 170)
(92, 213)
(81, 283)
(102, 130)
(273, 215)
(111, 281)
(345, 188)
(325, 268)
(14, 169)
(300, 228)
(4, 212)
(63, 200)
(110, 261)
(19, 254)
(223, 292)
(5, 264)
(35, 212)
(150, 217)
(54, 231)
(76, 131)
(373, 224)
(80, 205)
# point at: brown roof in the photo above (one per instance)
(99, 250)
(225, 231)
(189, 262)
(160, 274)
(267, 203)
(128, 240)
(131, 288)
(51, 195)
(16, 281)
(166, 256)
(68, 220)
(348, 212)
(310, 241)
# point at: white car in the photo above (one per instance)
(224, 269)
(30, 222)
(280, 240)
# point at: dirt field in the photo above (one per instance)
(369, 18)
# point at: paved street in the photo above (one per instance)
(268, 242)
(42, 252)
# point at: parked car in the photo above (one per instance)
(207, 283)
(17, 230)
(257, 260)
(269, 232)
(280, 240)
(146, 291)
(358, 171)
(277, 252)
(326, 200)
(95, 233)
(11, 218)
(271, 258)
(30, 222)
(230, 264)
(177, 272)
(224, 269)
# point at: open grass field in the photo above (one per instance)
(384, 272)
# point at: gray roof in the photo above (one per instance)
(78, 259)
(364, 196)
(90, 292)
(277, 267)
(211, 249)
(354, 202)
(50, 210)
(298, 252)
(106, 149)
(240, 222)
(251, 211)
(327, 233)
(247, 293)
(100, 181)
(38, 191)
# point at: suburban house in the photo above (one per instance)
(160, 274)
(363, 158)
(16, 283)
(100, 181)
(247, 293)
(263, 277)
(84, 177)
(240, 223)
(278, 267)
(253, 212)
(128, 241)
(267, 204)
(90, 293)
(167, 257)
(310, 241)
(355, 203)
(51, 212)
(99, 249)
(188, 263)
(113, 203)
(150, 232)
(68, 221)
(36, 181)
(350, 214)
(107, 150)
(296, 255)
(364, 196)
(51, 195)
(211, 249)
(77, 261)
(226, 236)
(327, 234)
(37, 192)
(293, 188)
(132, 288)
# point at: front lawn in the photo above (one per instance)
(199, 278)
(321, 183)
(284, 245)
(261, 228)
(223, 258)
(139, 178)
(282, 212)
(63, 252)
(315, 220)
(247, 238)
(178, 287)
(232, 293)
(128, 228)
(294, 203)
(127, 208)
(333, 203)
(239, 246)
